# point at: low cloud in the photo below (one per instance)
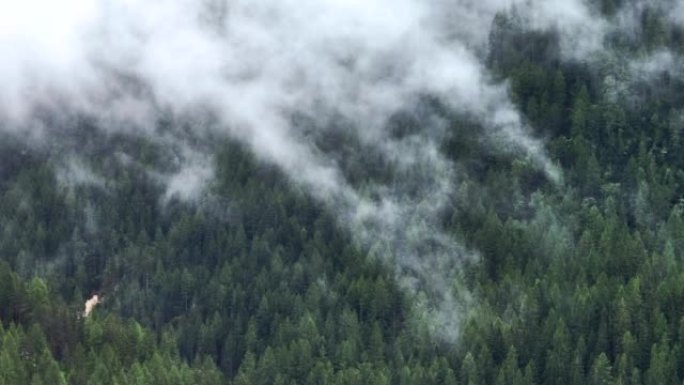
(261, 67)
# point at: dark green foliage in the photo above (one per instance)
(580, 282)
(43, 341)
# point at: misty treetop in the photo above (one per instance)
(331, 192)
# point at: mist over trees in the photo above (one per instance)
(401, 223)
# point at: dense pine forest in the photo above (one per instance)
(575, 277)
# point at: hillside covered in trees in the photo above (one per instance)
(557, 258)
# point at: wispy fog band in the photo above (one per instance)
(256, 65)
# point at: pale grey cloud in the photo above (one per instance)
(255, 64)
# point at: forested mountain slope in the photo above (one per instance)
(451, 250)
